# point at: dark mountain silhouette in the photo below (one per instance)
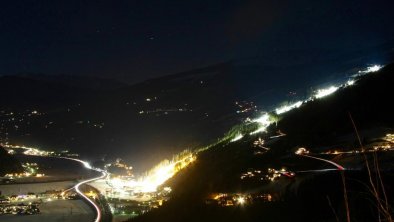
(80, 81)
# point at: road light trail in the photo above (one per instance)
(76, 187)
(98, 211)
(339, 167)
(84, 163)
(316, 171)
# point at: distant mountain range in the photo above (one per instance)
(85, 82)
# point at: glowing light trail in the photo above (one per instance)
(316, 171)
(339, 167)
(97, 208)
(76, 187)
(84, 163)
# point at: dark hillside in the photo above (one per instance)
(8, 164)
(369, 102)
(304, 198)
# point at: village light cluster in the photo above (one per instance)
(35, 152)
(31, 151)
(301, 151)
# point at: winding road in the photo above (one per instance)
(76, 187)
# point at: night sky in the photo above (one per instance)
(136, 40)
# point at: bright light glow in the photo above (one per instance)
(374, 68)
(35, 152)
(301, 151)
(370, 69)
(259, 130)
(287, 108)
(237, 137)
(167, 189)
(241, 200)
(164, 171)
(264, 122)
(325, 92)
(350, 82)
(158, 176)
(155, 177)
(87, 165)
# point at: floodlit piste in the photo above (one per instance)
(157, 176)
(265, 120)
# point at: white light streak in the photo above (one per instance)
(76, 187)
(264, 122)
(325, 92)
(287, 108)
(98, 211)
(259, 130)
(370, 69)
(84, 163)
(374, 68)
(237, 137)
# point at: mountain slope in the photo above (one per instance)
(309, 196)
